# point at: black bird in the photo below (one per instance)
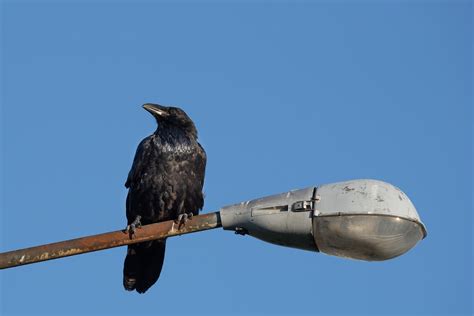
(165, 183)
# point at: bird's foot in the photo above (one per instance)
(183, 218)
(133, 226)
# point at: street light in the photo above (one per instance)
(360, 219)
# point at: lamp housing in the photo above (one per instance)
(360, 219)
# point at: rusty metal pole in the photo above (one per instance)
(107, 240)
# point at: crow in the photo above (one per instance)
(164, 183)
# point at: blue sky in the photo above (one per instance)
(284, 95)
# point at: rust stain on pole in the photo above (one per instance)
(107, 240)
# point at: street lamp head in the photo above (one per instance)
(360, 219)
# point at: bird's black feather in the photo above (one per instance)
(165, 180)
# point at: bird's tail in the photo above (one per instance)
(142, 266)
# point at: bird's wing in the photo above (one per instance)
(141, 157)
(201, 163)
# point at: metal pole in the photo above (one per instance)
(107, 240)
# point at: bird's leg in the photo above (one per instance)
(134, 225)
(183, 219)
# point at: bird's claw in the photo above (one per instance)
(130, 230)
(183, 219)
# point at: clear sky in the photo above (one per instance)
(284, 95)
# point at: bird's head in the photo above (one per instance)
(168, 116)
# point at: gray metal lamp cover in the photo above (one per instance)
(359, 219)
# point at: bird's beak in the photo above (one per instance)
(156, 110)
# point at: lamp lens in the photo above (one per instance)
(366, 237)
